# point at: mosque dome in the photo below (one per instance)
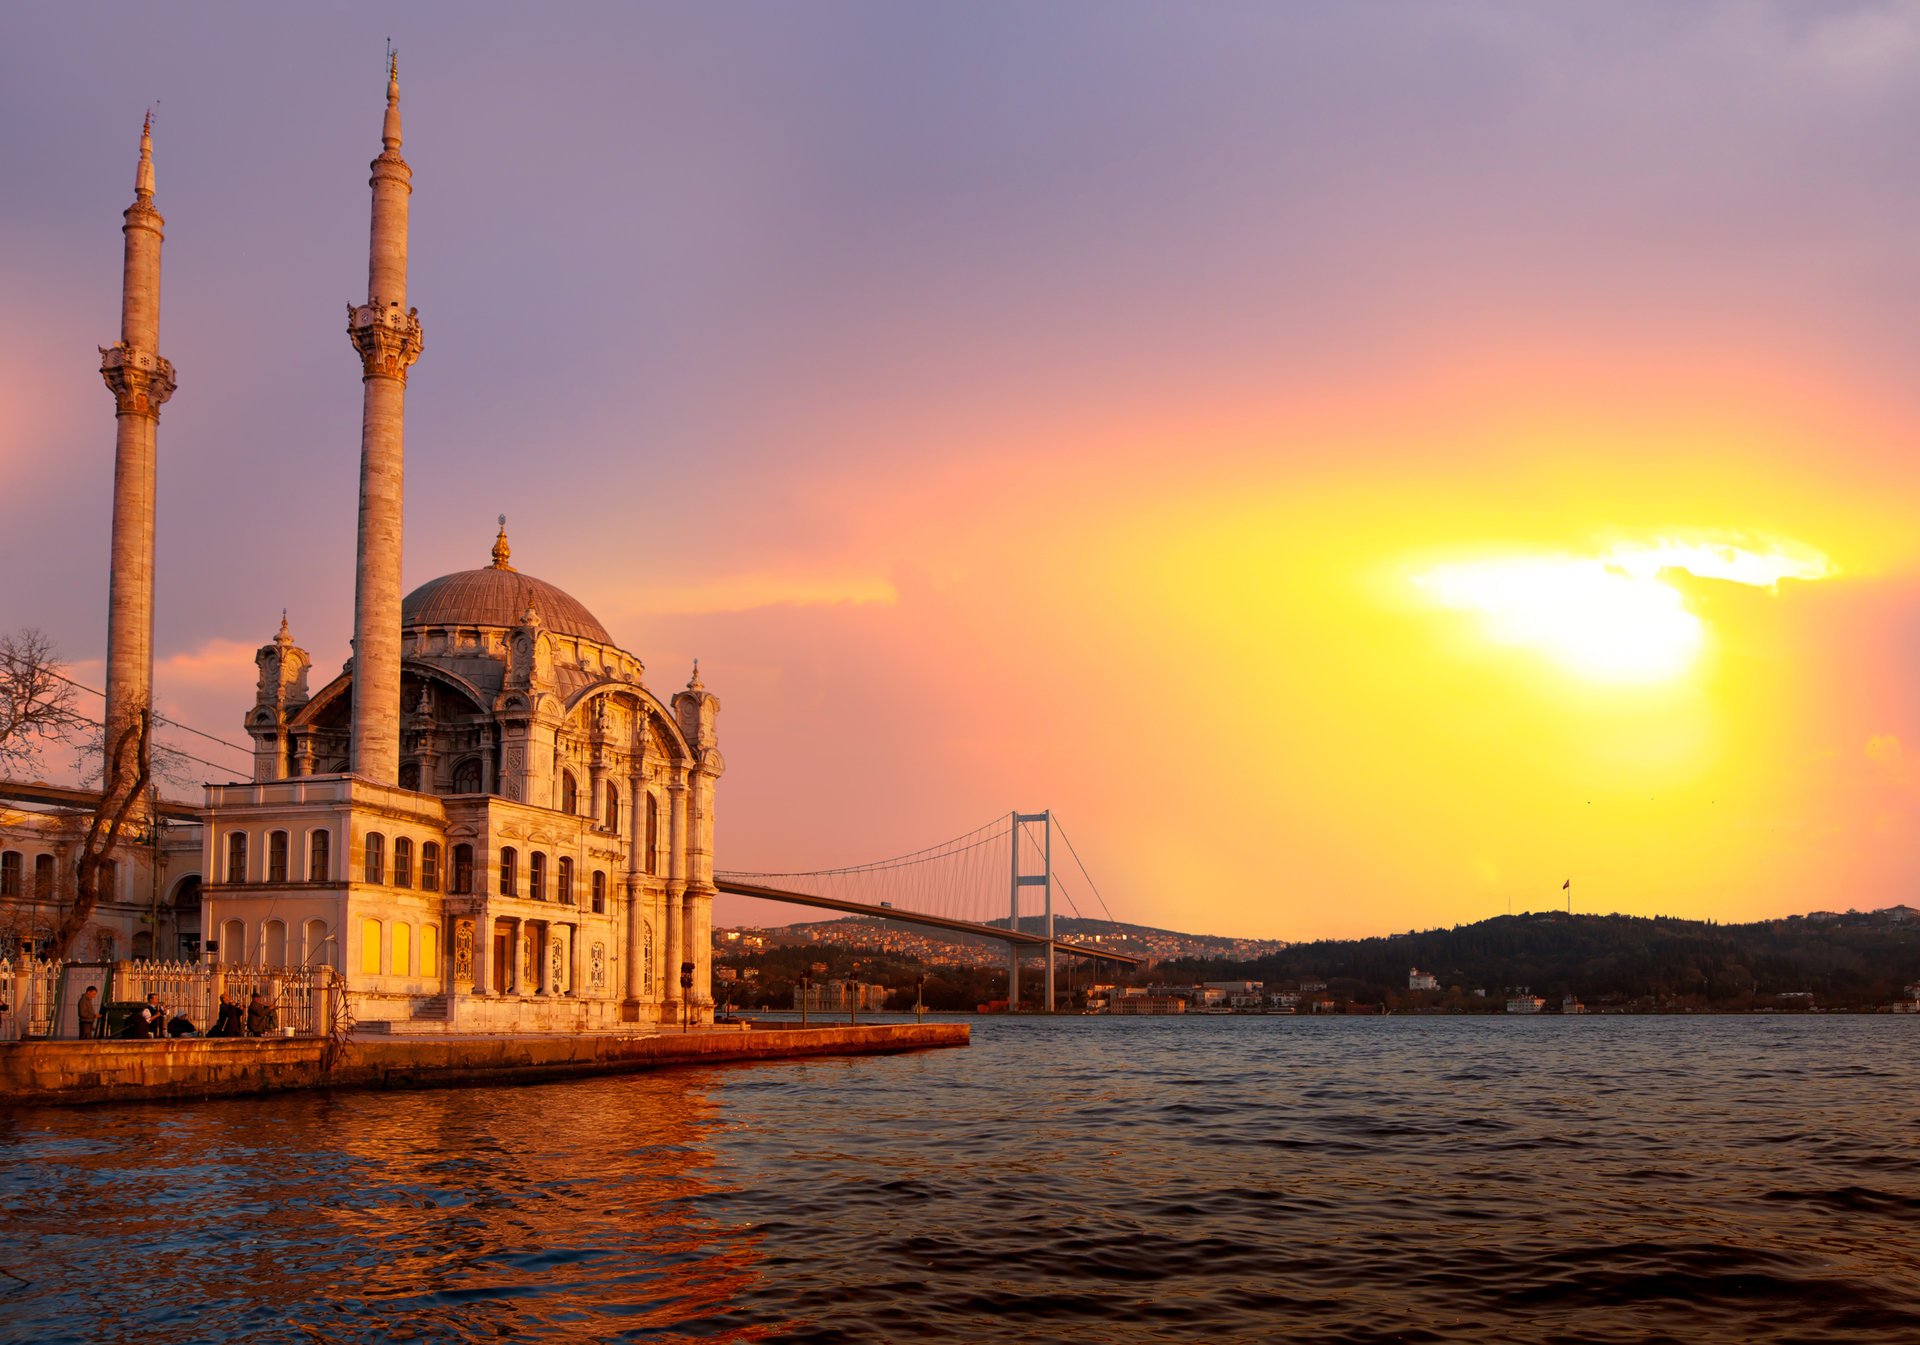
(498, 596)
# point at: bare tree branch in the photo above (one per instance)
(118, 797)
(36, 702)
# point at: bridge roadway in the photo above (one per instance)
(1003, 934)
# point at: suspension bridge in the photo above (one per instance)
(975, 884)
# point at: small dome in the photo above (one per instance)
(498, 597)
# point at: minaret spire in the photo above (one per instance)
(387, 334)
(141, 381)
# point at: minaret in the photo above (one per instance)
(387, 334)
(140, 382)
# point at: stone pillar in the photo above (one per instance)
(638, 973)
(674, 945)
(516, 958)
(141, 382)
(388, 337)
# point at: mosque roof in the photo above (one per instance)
(498, 596)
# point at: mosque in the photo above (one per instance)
(487, 821)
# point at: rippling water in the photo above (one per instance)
(1084, 1180)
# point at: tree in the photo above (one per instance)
(119, 796)
(36, 700)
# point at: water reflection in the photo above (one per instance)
(456, 1215)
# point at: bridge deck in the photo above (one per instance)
(1000, 932)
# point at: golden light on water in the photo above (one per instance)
(1616, 616)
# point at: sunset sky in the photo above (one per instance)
(1360, 464)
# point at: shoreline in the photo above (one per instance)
(75, 1073)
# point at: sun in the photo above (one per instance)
(1613, 617)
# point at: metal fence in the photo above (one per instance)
(43, 995)
(30, 988)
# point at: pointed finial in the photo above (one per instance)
(143, 176)
(694, 683)
(285, 636)
(390, 132)
(500, 548)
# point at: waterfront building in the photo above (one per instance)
(1422, 980)
(1523, 1002)
(489, 819)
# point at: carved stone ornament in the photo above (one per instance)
(140, 380)
(557, 975)
(463, 951)
(597, 965)
(388, 340)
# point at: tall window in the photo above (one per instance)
(319, 857)
(370, 947)
(273, 944)
(564, 881)
(569, 793)
(462, 869)
(402, 862)
(316, 951)
(237, 857)
(376, 857)
(599, 892)
(277, 857)
(466, 778)
(43, 876)
(653, 834)
(613, 807)
(509, 872)
(430, 950)
(402, 964)
(410, 775)
(537, 876)
(430, 866)
(10, 871)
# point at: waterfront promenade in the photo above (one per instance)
(67, 1072)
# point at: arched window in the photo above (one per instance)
(569, 793)
(319, 857)
(466, 777)
(462, 868)
(509, 872)
(376, 857)
(142, 946)
(277, 857)
(318, 954)
(43, 876)
(273, 944)
(430, 866)
(402, 949)
(653, 834)
(233, 943)
(370, 947)
(564, 881)
(430, 950)
(599, 892)
(10, 873)
(237, 857)
(402, 862)
(537, 876)
(613, 807)
(110, 879)
(410, 776)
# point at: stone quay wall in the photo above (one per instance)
(36, 1073)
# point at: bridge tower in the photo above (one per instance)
(1042, 880)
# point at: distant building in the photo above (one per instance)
(1572, 1004)
(1523, 1002)
(1900, 915)
(1148, 1005)
(1422, 980)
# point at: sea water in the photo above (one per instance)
(1068, 1179)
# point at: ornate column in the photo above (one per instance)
(639, 975)
(674, 946)
(387, 335)
(141, 382)
(516, 958)
(698, 710)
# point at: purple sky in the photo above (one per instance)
(889, 357)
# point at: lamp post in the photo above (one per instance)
(920, 998)
(806, 983)
(686, 995)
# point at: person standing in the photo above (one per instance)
(89, 1012)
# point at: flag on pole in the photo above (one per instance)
(1567, 886)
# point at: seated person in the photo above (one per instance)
(180, 1026)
